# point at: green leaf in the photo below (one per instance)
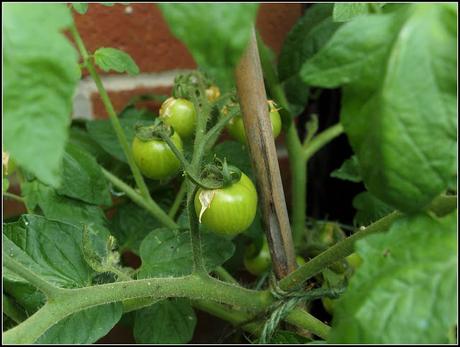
(102, 132)
(389, 125)
(130, 225)
(80, 137)
(40, 67)
(26, 295)
(114, 59)
(168, 321)
(369, 209)
(108, 4)
(405, 290)
(165, 252)
(344, 12)
(61, 208)
(84, 327)
(306, 38)
(215, 34)
(80, 7)
(49, 248)
(82, 178)
(349, 170)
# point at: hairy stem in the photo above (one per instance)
(441, 205)
(48, 289)
(148, 205)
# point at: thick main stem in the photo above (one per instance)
(253, 101)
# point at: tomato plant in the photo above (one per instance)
(131, 216)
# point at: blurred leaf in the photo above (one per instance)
(345, 12)
(405, 290)
(166, 252)
(40, 67)
(114, 59)
(166, 322)
(215, 34)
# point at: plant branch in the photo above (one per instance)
(48, 289)
(322, 139)
(345, 247)
(149, 205)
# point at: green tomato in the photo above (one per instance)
(181, 115)
(229, 210)
(154, 157)
(236, 127)
(257, 263)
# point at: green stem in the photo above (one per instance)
(236, 318)
(298, 168)
(178, 200)
(303, 319)
(322, 139)
(225, 275)
(14, 197)
(213, 134)
(111, 112)
(74, 300)
(440, 205)
(198, 263)
(149, 205)
(48, 289)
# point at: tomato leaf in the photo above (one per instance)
(369, 209)
(40, 67)
(82, 178)
(215, 34)
(405, 290)
(307, 37)
(389, 125)
(165, 252)
(50, 248)
(62, 208)
(115, 59)
(349, 170)
(166, 322)
(130, 225)
(84, 327)
(345, 12)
